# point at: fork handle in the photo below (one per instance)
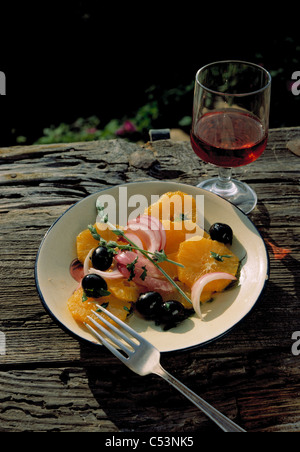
(222, 421)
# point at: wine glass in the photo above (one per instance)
(230, 124)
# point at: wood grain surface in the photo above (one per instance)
(51, 382)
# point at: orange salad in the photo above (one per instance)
(162, 264)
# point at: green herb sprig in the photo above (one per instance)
(219, 257)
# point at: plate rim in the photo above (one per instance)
(175, 351)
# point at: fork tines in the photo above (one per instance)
(114, 337)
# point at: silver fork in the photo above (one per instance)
(143, 358)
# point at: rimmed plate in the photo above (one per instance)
(58, 248)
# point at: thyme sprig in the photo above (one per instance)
(219, 257)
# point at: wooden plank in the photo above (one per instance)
(37, 214)
(49, 400)
(237, 374)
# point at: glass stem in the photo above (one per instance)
(224, 183)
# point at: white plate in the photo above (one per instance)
(58, 249)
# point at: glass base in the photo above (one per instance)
(237, 192)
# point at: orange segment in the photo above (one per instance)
(80, 310)
(179, 231)
(174, 206)
(175, 295)
(170, 268)
(85, 241)
(123, 289)
(195, 255)
(106, 233)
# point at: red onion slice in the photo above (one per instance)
(156, 285)
(201, 283)
(76, 270)
(125, 257)
(154, 281)
(155, 225)
(148, 237)
(113, 274)
(86, 264)
(150, 230)
(135, 239)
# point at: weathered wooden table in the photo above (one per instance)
(51, 382)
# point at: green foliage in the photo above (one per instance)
(158, 110)
(168, 106)
(146, 115)
(81, 130)
(88, 129)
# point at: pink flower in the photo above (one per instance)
(127, 127)
(91, 130)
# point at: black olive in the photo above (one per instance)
(101, 258)
(221, 232)
(149, 303)
(93, 286)
(171, 312)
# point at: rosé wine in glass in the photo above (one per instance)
(230, 124)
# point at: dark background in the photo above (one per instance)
(76, 59)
